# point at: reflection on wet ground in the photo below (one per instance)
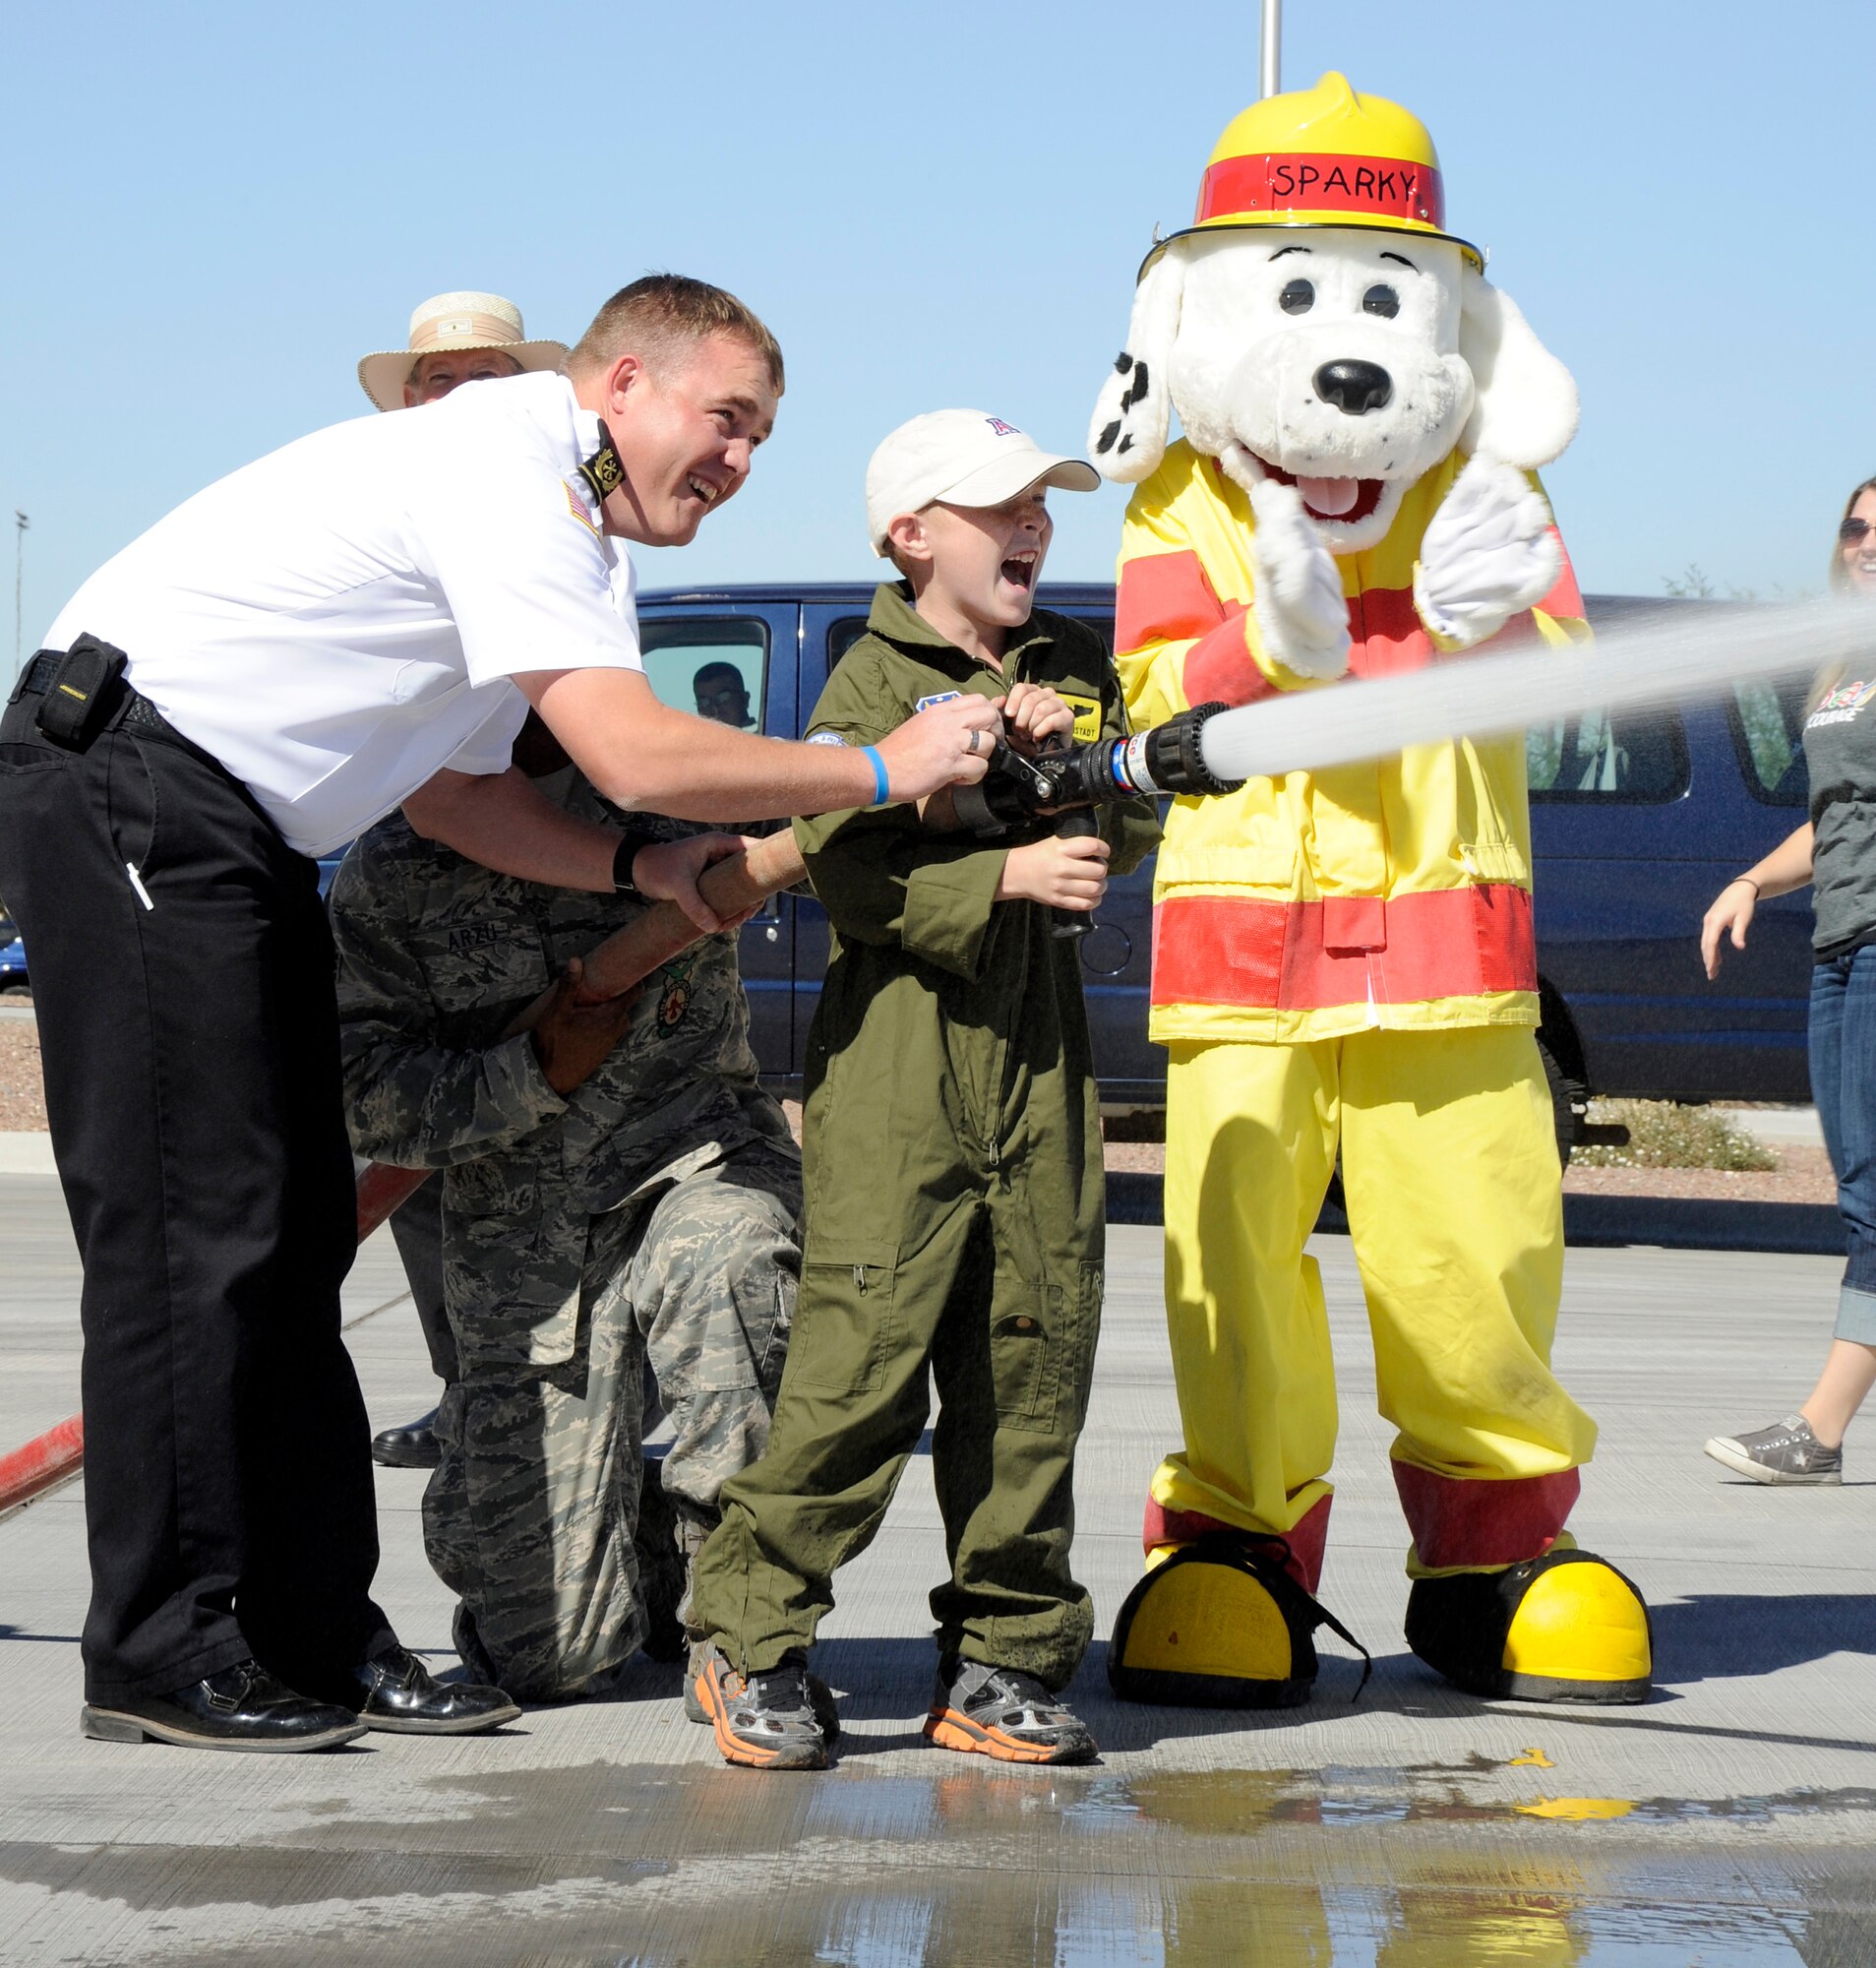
(1343, 1867)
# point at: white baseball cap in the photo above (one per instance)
(966, 457)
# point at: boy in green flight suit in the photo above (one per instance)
(954, 1164)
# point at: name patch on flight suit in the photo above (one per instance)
(1087, 710)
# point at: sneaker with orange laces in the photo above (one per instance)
(1006, 1713)
(761, 1721)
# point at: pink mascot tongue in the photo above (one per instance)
(1343, 960)
(1331, 497)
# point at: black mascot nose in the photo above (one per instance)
(1354, 388)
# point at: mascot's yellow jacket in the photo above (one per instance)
(1344, 961)
(1395, 894)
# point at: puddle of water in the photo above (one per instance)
(1346, 1867)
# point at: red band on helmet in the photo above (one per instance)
(1321, 181)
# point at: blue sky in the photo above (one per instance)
(212, 211)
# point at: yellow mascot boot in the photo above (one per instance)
(1219, 1623)
(1567, 1626)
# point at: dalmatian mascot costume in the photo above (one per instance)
(1345, 958)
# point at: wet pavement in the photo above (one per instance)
(1730, 1823)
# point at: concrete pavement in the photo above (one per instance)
(1730, 1823)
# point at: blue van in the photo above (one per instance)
(1637, 821)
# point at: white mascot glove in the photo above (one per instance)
(1487, 555)
(1301, 613)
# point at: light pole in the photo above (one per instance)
(1269, 71)
(19, 525)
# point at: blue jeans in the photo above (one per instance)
(1843, 1038)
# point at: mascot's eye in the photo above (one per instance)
(1383, 301)
(1299, 297)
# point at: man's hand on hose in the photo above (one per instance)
(571, 1038)
(668, 872)
(944, 745)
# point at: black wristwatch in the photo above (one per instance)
(623, 856)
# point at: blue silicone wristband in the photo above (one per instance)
(871, 752)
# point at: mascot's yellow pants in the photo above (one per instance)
(1449, 1164)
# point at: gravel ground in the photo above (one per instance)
(21, 1096)
(1803, 1174)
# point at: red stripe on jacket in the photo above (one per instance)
(1440, 943)
(1168, 598)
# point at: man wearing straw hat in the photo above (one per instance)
(358, 622)
(456, 338)
(459, 337)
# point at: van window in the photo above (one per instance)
(1767, 722)
(842, 636)
(1637, 757)
(714, 666)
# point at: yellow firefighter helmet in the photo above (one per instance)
(1325, 156)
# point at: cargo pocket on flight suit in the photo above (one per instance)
(1041, 1353)
(844, 1326)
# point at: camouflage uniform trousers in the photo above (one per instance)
(531, 1513)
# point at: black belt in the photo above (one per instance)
(132, 711)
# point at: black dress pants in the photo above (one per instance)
(191, 1056)
(416, 1228)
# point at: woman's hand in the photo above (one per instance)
(1729, 917)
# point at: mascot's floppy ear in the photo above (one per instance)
(1127, 437)
(1525, 409)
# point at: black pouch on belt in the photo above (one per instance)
(82, 693)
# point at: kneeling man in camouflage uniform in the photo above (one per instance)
(620, 1195)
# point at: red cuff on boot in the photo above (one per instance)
(1306, 1538)
(1484, 1521)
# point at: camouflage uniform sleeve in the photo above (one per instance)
(881, 878)
(410, 1098)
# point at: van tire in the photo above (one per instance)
(1564, 1094)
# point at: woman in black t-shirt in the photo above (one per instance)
(1835, 851)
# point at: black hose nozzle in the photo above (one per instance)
(1165, 760)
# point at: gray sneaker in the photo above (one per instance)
(1785, 1452)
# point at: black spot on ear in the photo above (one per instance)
(1105, 442)
(1126, 444)
(1136, 390)
(1124, 362)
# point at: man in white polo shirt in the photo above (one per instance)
(357, 621)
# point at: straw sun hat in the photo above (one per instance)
(455, 320)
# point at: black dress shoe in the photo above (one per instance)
(242, 1707)
(413, 1446)
(396, 1691)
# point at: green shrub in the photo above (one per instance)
(1664, 1134)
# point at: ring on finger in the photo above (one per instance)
(970, 744)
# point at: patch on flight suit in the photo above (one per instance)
(1087, 710)
(940, 697)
